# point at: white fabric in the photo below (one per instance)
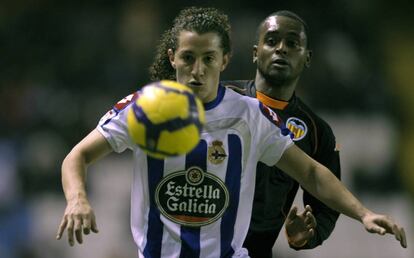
(261, 140)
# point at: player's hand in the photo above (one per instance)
(381, 224)
(78, 219)
(300, 228)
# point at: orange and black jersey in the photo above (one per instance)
(275, 191)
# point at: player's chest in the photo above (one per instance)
(302, 128)
(195, 189)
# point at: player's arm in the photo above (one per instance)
(315, 224)
(78, 214)
(321, 183)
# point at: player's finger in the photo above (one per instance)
(62, 227)
(377, 229)
(292, 213)
(78, 230)
(86, 224)
(308, 208)
(311, 232)
(310, 220)
(400, 235)
(69, 230)
(403, 240)
(308, 234)
(94, 227)
(388, 224)
(396, 231)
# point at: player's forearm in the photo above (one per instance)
(93, 147)
(74, 176)
(326, 187)
(320, 182)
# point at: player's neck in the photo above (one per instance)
(281, 91)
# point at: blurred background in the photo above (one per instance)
(63, 64)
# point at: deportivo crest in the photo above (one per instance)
(297, 127)
(216, 152)
(192, 197)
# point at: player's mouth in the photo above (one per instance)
(194, 84)
(280, 62)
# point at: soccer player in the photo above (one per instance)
(220, 200)
(281, 54)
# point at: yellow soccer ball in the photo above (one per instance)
(166, 119)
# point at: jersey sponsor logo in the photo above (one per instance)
(192, 197)
(297, 127)
(216, 152)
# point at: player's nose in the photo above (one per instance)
(197, 69)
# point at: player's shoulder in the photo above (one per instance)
(319, 122)
(258, 112)
(241, 101)
(247, 89)
(240, 86)
(118, 107)
(124, 102)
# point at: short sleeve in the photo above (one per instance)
(273, 136)
(274, 147)
(113, 125)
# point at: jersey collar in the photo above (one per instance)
(272, 103)
(214, 103)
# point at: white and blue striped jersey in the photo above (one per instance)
(199, 204)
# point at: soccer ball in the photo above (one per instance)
(166, 119)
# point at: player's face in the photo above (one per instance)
(281, 53)
(198, 62)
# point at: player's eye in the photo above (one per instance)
(187, 58)
(208, 59)
(292, 43)
(270, 41)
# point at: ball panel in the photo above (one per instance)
(175, 85)
(161, 105)
(179, 142)
(136, 129)
(166, 120)
(173, 106)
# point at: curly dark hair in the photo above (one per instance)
(197, 19)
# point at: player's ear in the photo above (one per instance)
(308, 58)
(226, 59)
(254, 53)
(171, 57)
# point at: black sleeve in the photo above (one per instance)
(328, 155)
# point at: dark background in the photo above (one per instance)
(63, 64)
